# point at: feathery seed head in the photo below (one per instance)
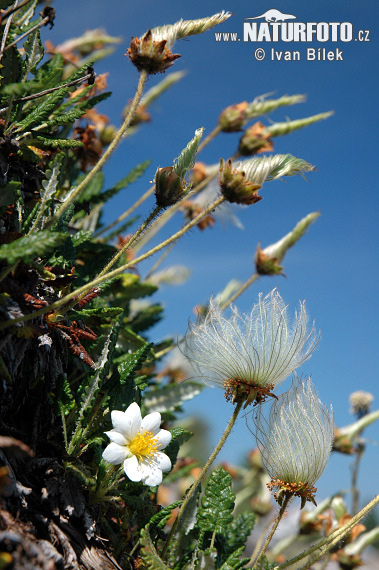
(295, 439)
(249, 355)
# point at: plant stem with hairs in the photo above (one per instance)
(201, 475)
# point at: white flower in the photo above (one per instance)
(249, 355)
(295, 439)
(136, 443)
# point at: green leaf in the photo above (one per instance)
(129, 367)
(179, 436)
(100, 312)
(170, 397)
(92, 189)
(149, 555)
(27, 248)
(46, 142)
(42, 111)
(146, 318)
(77, 111)
(49, 104)
(34, 52)
(11, 70)
(50, 73)
(160, 519)
(215, 513)
(238, 531)
(25, 14)
(133, 175)
(233, 562)
(81, 237)
(90, 388)
(18, 90)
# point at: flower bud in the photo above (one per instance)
(267, 260)
(169, 187)
(235, 187)
(255, 140)
(233, 118)
(150, 55)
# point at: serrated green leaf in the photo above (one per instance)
(238, 531)
(20, 89)
(100, 312)
(48, 105)
(128, 368)
(92, 189)
(75, 113)
(169, 397)
(179, 436)
(34, 52)
(11, 70)
(133, 175)
(27, 248)
(42, 111)
(233, 562)
(215, 513)
(148, 553)
(90, 388)
(146, 318)
(160, 519)
(46, 142)
(81, 237)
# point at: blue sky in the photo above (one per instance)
(335, 266)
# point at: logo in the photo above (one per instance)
(274, 16)
(276, 28)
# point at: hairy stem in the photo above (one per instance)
(112, 147)
(199, 478)
(85, 288)
(273, 529)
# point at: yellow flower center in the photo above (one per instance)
(144, 444)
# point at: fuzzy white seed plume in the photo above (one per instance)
(295, 438)
(259, 349)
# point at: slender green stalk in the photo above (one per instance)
(85, 288)
(354, 479)
(209, 138)
(199, 478)
(273, 529)
(127, 212)
(159, 223)
(39, 25)
(241, 290)
(112, 147)
(334, 536)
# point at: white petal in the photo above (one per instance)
(151, 474)
(115, 454)
(163, 461)
(163, 437)
(132, 469)
(127, 423)
(116, 437)
(152, 422)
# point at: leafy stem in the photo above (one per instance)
(112, 147)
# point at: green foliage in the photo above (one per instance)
(27, 248)
(215, 513)
(33, 52)
(149, 554)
